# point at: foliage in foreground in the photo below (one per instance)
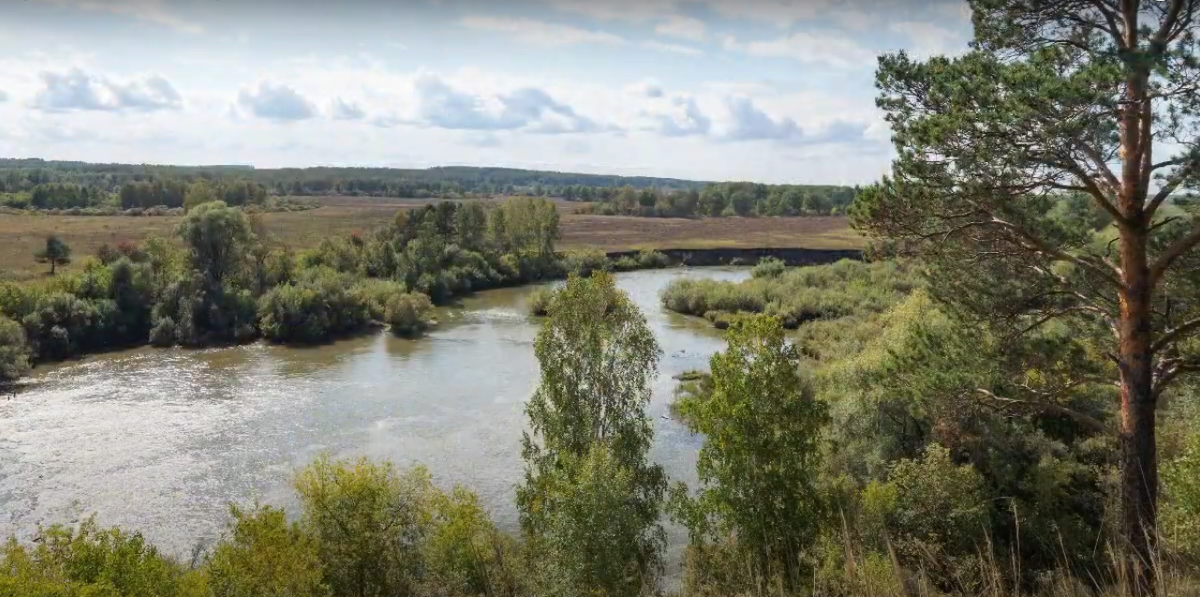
(758, 502)
(843, 460)
(591, 500)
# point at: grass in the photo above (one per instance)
(22, 235)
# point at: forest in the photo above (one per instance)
(19, 177)
(90, 188)
(725, 199)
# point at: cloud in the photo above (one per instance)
(854, 14)
(749, 123)
(77, 90)
(809, 48)
(684, 120)
(675, 48)
(150, 11)
(929, 39)
(529, 109)
(3, 96)
(343, 110)
(649, 88)
(682, 27)
(484, 140)
(616, 10)
(279, 103)
(541, 32)
(556, 34)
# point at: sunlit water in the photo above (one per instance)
(163, 440)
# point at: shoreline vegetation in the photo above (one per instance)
(224, 280)
(882, 482)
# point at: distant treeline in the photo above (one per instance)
(728, 199)
(39, 184)
(24, 175)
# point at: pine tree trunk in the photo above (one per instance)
(1139, 460)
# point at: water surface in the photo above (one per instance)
(163, 440)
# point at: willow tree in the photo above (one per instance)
(1057, 97)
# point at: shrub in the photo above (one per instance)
(369, 521)
(88, 561)
(797, 295)
(409, 314)
(318, 308)
(625, 264)
(539, 301)
(584, 262)
(376, 293)
(652, 260)
(934, 511)
(769, 267)
(265, 555)
(163, 332)
(14, 351)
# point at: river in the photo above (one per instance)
(161, 441)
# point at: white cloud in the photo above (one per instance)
(344, 110)
(3, 96)
(555, 34)
(528, 108)
(541, 32)
(682, 27)
(683, 118)
(279, 103)
(749, 123)
(647, 88)
(929, 39)
(810, 48)
(151, 11)
(673, 48)
(617, 10)
(77, 90)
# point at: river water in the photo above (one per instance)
(162, 441)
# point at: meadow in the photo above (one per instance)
(22, 235)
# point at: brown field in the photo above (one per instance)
(22, 235)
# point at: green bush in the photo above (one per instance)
(583, 262)
(14, 351)
(539, 301)
(376, 293)
(263, 554)
(935, 512)
(625, 264)
(768, 267)
(797, 295)
(408, 314)
(652, 260)
(163, 332)
(90, 562)
(322, 306)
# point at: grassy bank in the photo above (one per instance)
(794, 295)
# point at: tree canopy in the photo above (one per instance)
(1058, 100)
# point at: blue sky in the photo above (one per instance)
(765, 90)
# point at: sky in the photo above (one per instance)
(765, 90)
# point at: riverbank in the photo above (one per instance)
(22, 235)
(791, 256)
